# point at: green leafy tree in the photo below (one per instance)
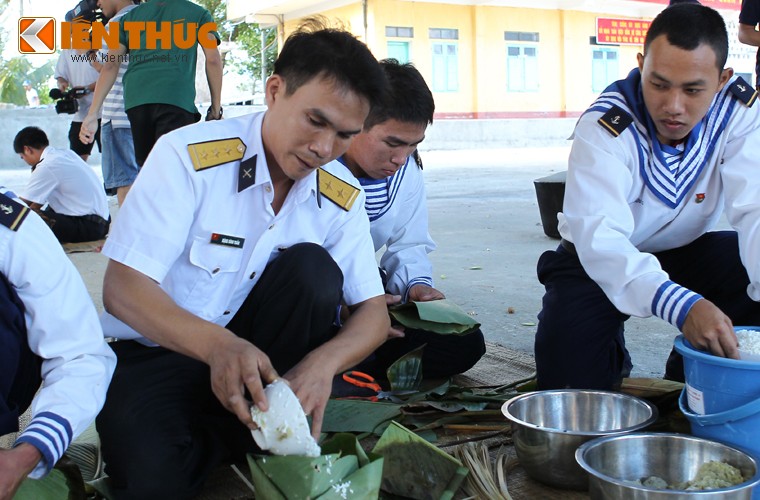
(248, 37)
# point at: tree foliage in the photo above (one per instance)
(247, 37)
(14, 71)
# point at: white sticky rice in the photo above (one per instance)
(749, 344)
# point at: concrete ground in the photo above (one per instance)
(485, 219)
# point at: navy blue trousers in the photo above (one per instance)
(162, 429)
(19, 366)
(580, 340)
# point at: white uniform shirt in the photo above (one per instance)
(63, 329)
(616, 217)
(398, 215)
(165, 227)
(76, 70)
(67, 184)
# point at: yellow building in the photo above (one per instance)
(498, 58)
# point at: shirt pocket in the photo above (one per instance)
(215, 271)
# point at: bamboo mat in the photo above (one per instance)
(85, 246)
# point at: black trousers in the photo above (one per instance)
(443, 355)
(580, 339)
(76, 229)
(162, 429)
(19, 366)
(150, 121)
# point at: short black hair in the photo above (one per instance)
(34, 137)
(687, 25)
(332, 54)
(408, 98)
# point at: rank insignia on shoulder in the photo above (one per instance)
(213, 153)
(12, 213)
(743, 91)
(615, 120)
(336, 190)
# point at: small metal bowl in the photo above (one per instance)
(615, 463)
(548, 426)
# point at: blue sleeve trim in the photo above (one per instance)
(423, 280)
(672, 302)
(48, 458)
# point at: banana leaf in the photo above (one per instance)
(64, 481)
(415, 468)
(405, 374)
(440, 316)
(357, 415)
(345, 472)
(52, 487)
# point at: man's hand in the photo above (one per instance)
(312, 383)
(395, 331)
(424, 293)
(88, 129)
(235, 365)
(15, 465)
(707, 328)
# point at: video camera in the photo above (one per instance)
(66, 102)
(86, 10)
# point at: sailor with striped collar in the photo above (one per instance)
(655, 162)
(385, 161)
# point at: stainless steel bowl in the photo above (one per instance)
(614, 462)
(548, 426)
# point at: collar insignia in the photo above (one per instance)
(247, 173)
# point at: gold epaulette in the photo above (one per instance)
(336, 190)
(213, 153)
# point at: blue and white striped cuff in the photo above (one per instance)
(672, 302)
(51, 434)
(422, 280)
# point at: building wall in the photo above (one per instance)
(564, 54)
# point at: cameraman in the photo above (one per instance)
(74, 71)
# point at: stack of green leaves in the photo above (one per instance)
(343, 471)
(440, 316)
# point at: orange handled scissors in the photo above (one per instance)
(367, 381)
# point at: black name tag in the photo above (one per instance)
(226, 240)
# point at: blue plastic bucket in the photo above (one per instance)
(739, 427)
(715, 384)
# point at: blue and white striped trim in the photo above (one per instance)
(672, 302)
(49, 433)
(422, 280)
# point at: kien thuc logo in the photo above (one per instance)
(36, 35)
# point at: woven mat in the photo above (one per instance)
(85, 246)
(499, 366)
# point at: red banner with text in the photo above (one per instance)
(616, 31)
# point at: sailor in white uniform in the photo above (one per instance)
(49, 334)
(655, 162)
(385, 161)
(232, 252)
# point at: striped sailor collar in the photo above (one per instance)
(668, 172)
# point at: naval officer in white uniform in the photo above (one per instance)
(49, 335)
(233, 252)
